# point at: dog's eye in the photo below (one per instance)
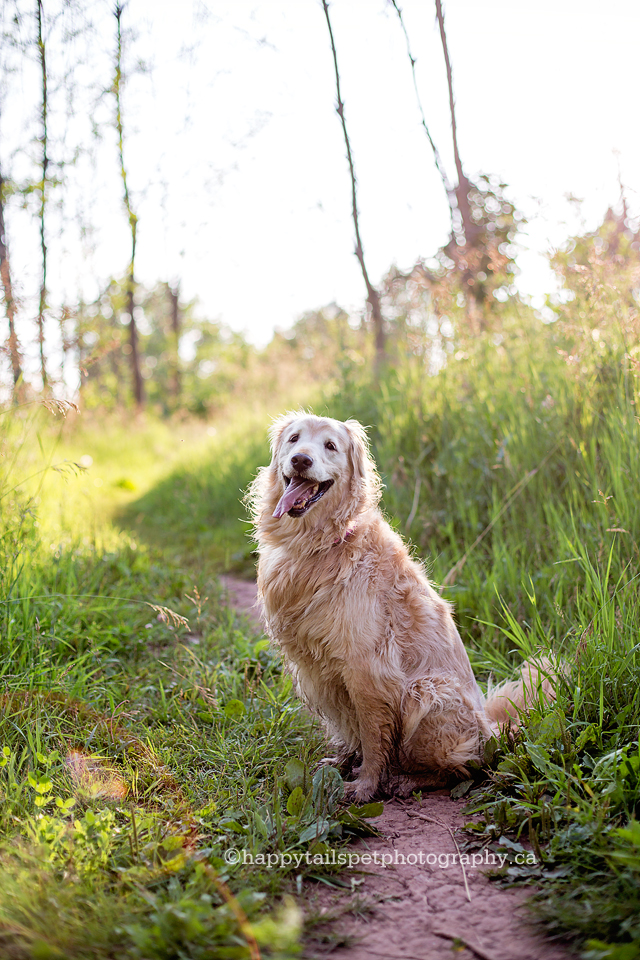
(330, 445)
(294, 438)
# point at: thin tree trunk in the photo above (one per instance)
(65, 314)
(373, 297)
(470, 229)
(78, 342)
(462, 189)
(43, 194)
(138, 383)
(10, 304)
(174, 295)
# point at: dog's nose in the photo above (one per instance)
(300, 461)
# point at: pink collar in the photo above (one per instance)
(349, 533)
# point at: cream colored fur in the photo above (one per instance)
(371, 647)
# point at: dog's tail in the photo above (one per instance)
(536, 682)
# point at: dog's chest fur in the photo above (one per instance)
(355, 601)
(306, 602)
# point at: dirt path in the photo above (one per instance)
(418, 906)
(243, 595)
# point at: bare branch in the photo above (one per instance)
(449, 190)
(373, 296)
(174, 298)
(462, 189)
(9, 304)
(138, 385)
(44, 169)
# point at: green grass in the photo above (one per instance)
(136, 747)
(514, 473)
(516, 476)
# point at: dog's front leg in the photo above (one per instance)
(377, 720)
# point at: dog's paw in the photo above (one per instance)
(344, 762)
(361, 790)
(331, 762)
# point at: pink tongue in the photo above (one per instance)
(297, 487)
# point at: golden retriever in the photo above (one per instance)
(372, 648)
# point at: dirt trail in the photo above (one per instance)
(418, 907)
(243, 595)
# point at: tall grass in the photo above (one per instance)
(513, 471)
(137, 747)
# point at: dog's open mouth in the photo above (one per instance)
(300, 495)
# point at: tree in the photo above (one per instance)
(118, 81)
(478, 249)
(174, 299)
(44, 171)
(599, 305)
(373, 297)
(473, 273)
(13, 346)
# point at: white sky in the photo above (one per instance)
(237, 162)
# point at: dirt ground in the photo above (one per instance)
(412, 901)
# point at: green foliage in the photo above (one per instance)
(479, 260)
(189, 363)
(468, 287)
(510, 461)
(598, 302)
(136, 750)
(197, 366)
(514, 470)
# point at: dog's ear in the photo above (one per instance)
(365, 482)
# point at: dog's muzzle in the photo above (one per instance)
(300, 495)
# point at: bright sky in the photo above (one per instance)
(237, 162)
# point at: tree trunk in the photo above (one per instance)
(373, 296)
(43, 195)
(138, 383)
(470, 229)
(462, 190)
(10, 305)
(174, 294)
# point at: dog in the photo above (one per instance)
(371, 647)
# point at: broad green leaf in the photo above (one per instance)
(295, 774)
(328, 789)
(490, 748)
(296, 802)
(367, 809)
(588, 735)
(234, 709)
(316, 831)
(542, 761)
(461, 789)
(260, 824)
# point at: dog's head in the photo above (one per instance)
(320, 468)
